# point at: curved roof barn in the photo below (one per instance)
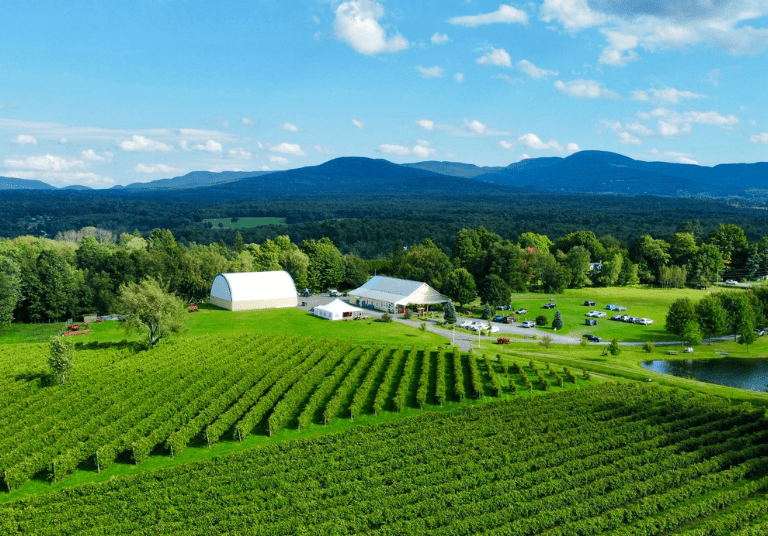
(254, 290)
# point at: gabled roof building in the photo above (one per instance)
(254, 290)
(385, 293)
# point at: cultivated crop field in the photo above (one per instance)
(120, 404)
(618, 459)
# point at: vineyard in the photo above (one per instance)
(627, 459)
(122, 404)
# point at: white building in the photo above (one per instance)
(391, 294)
(337, 310)
(254, 290)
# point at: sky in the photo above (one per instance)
(106, 93)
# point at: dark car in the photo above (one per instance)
(550, 305)
(592, 338)
(590, 322)
(499, 319)
(589, 303)
(504, 307)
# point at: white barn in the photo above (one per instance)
(391, 294)
(254, 290)
(337, 310)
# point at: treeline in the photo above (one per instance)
(371, 224)
(82, 271)
(44, 280)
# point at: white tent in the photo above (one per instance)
(254, 290)
(337, 310)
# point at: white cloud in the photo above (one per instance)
(431, 72)
(439, 39)
(497, 56)
(156, 168)
(398, 150)
(324, 150)
(670, 95)
(144, 144)
(759, 138)
(358, 124)
(505, 14)
(65, 178)
(585, 89)
(713, 76)
(421, 149)
(239, 152)
(523, 156)
(289, 127)
(46, 162)
(687, 118)
(91, 156)
(629, 133)
(288, 148)
(673, 156)
(474, 126)
(459, 77)
(248, 122)
(357, 24)
(507, 78)
(574, 15)
(279, 160)
(534, 72)
(426, 124)
(24, 139)
(532, 141)
(572, 147)
(210, 146)
(508, 145)
(673, 130)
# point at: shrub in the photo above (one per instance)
(486, 313)
(542, 320)
(614, 347)
(546, 342)
(384, 318)
(423, 327)
(408, 314)
(648, 346)
(557, 322)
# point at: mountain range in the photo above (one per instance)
(582, 172)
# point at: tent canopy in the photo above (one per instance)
(337, 310)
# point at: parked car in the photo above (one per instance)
(589, 303)
(466, 324)
(334, 293)
(590, 322)
(550, 305)
(730, 282)
(521, 311)
(504, 307)
(612, 307)
(478, 326)
(600, 314)
(499, 318)
(528, 324)
(760, 332)
(494, 329)
(592, 338)
(592, 313)
(616, 317)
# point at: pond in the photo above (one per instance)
(751, 374)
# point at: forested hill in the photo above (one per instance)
(194, 179)
(10, 183)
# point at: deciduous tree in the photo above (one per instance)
(147, 306)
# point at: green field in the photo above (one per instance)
(643, 302)
(242, 223)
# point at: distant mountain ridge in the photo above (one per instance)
(583, 172)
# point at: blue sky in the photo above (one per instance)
(105, 93)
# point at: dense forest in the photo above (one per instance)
(370, 226)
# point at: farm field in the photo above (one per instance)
(243, 223)
(624, 459)
(122, 405)
(643, 302)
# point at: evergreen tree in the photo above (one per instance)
(449, 314)
(486, 313)
(557, 322)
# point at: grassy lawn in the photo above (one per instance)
(243, 223)
(644, 302)
(210, 320)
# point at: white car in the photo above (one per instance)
(592, 313)
(730, 282)
(529, 324)
(494, 329)
(466, 324)
(644, 321)
(600, 314)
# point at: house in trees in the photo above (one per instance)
(254, 290)
(394, 295)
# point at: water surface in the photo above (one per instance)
(750, 373)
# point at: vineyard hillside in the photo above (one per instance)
(615, 458)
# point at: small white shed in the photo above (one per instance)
(337, 310)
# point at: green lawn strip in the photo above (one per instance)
(243, 223)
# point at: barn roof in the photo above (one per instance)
(248, 286)
(398, 291)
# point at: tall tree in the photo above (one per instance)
(680, 313)
(61, 357)
(326, 264)
(10, 289)
(425, 262)
(739, 314)
(460, 286)
(711, 316)
(449, 314)
(494, 291)
(147, 307)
